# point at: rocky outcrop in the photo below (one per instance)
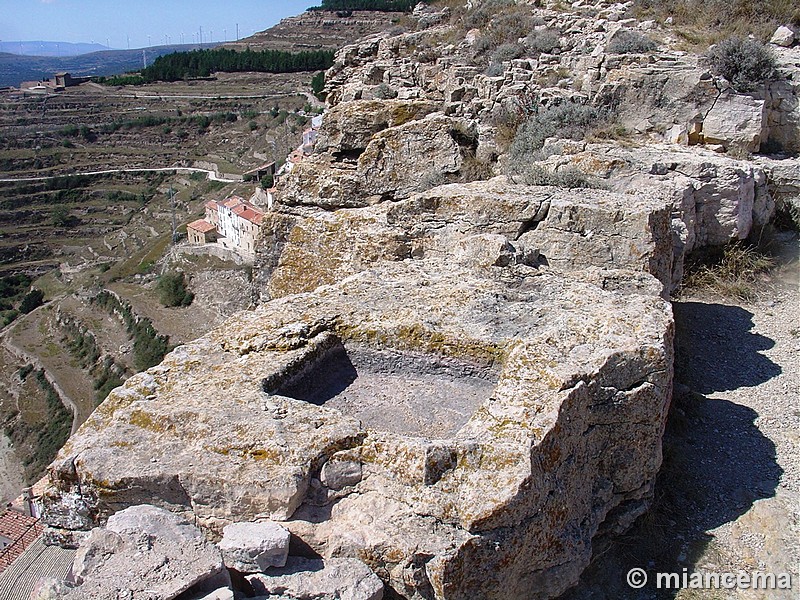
(484, 223)
(456, 383)
(348, 128)
(564, 439)
(388, 168)
(715, 199)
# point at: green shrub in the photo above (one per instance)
(8, 316)
(267, 181)
(543, 40)
(70, 131)
(628, 41)
(495, 69)
(506, 52)
(172, 290)
(60, 217)
(14, 285)
(745, 63)
(567, 177)
(32, 299)
(107, 376)
(317, 85)
(567, 120)
(149, 347)
(23, 372)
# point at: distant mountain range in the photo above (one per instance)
(14, 69)
(39, 48)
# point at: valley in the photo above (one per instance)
(92, 180)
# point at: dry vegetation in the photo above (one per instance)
(705, 22)
(737, 271)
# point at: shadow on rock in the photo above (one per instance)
(716, 461)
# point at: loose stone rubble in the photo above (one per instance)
(145, 552)
(142, 552)
(254, 547)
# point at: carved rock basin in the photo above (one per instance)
(407, 393)
(479, 436)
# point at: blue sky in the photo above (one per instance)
(101, 21)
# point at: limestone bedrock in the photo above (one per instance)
(567, 437)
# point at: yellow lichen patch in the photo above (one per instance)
(246, 452)
(144, 420)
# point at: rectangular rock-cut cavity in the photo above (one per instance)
(389, 390)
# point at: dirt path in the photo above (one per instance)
(728, 496)
(212, 175)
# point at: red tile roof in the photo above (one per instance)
(14, 523)
(212, 205)
(22, 530)
(201, 225)
(232, 202)
(249, 214)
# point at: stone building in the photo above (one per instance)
(234, 224)
(201, 232)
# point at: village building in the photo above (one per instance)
(306, 148)
(233, 224)
(261, 171)
(201, 232)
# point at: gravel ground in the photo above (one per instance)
(728, 496)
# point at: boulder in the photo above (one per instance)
(339, 474)
(736, 122)
(254, 547)
(348, 127)
(492, 378)
(332, 579)
(391, 164)
(144, 550)
(783, 36)
(388, 168)
(48, 588)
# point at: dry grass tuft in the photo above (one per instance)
(735, 271)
